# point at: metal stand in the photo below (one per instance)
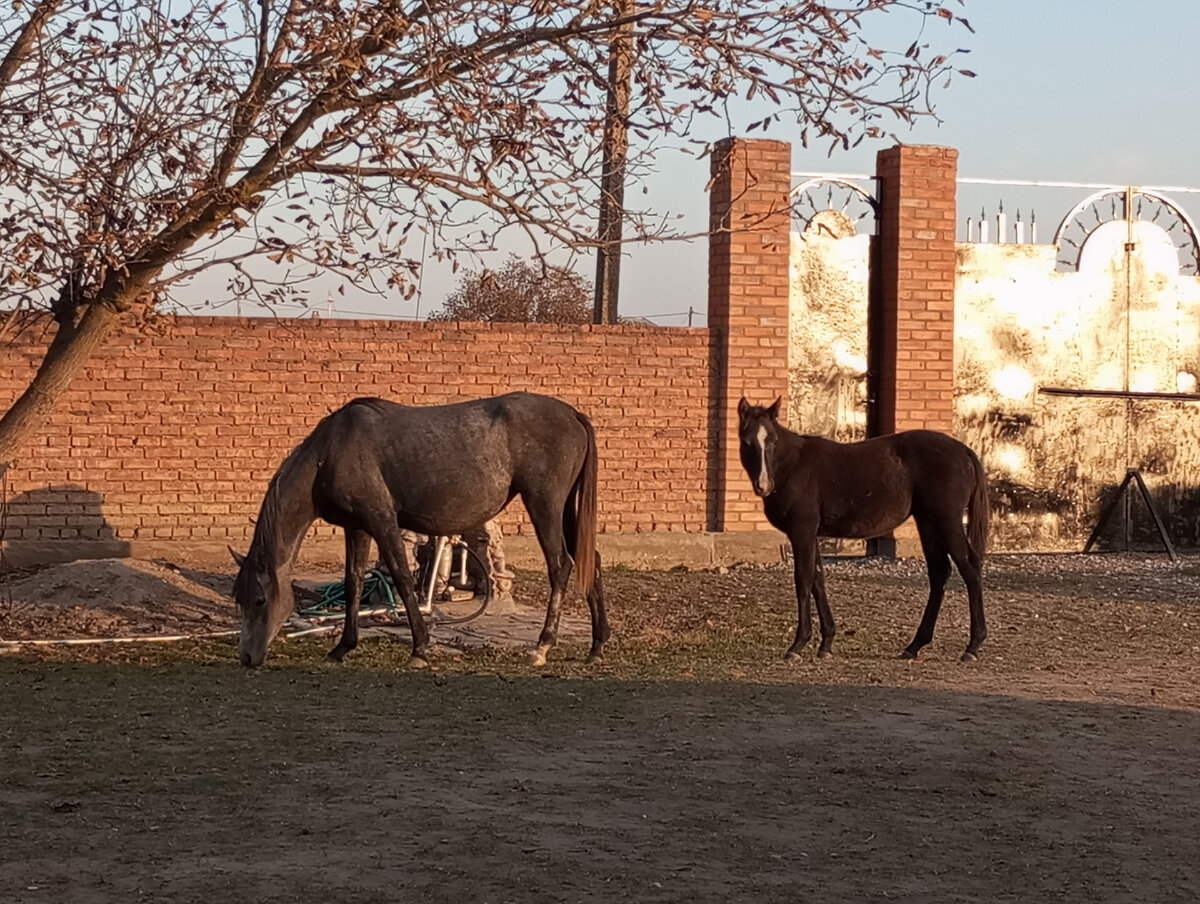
(1133, 474)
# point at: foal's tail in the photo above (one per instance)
(579, 516)
(978, 512)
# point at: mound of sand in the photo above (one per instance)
(109, 598)
(113, 598)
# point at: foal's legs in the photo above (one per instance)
(600, 630)
(937, 561)
(547, 524)
(358, 547)
(940, 539)
(970, 566)
(804, 571)
(824, 613)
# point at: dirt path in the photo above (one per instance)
(694, 766)
(191, 784)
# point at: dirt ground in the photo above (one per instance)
(694, 765)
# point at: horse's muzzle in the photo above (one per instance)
(251, 660)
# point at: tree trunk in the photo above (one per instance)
(62, 362)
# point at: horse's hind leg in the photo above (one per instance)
(547, 524)
(937, 561)
(600, 630)
(358, 547)
(970, 566)
(391, 547)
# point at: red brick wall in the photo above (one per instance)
(915, 286)
(749, 248)
(173, 437)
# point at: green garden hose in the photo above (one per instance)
(333, 596)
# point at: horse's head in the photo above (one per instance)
(263, 594)
(758, 431)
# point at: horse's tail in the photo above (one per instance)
(978, 512)
(579, 517)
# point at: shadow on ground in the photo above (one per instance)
(191, 783)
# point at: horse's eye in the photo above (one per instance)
(260, 602)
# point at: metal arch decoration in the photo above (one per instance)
(1111, 205)
(822, 193)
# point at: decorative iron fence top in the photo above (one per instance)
(1024, 183)
(1102, 186)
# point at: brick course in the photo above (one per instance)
(748, 298)
(913, 345)
(174, 437)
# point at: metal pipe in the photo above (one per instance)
(1119, 394)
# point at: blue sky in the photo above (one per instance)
(1066, 90)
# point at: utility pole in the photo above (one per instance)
(612, 177)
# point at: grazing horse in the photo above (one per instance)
(814, 487)
(374, 467)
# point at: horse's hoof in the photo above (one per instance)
(969, 657)
(337, 654)
(418, 662)
(908, 654)
(594, 658)
(791, 656)
(824, 654)
(537, 658)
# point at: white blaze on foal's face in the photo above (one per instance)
(764, 479)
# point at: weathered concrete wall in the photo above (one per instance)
(827, 337)
(1126, 321)
(827, 333)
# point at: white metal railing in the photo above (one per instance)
(1024, 183)
(1024, 229)
(1103, 186)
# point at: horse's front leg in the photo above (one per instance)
(358, 547)
(804, 567)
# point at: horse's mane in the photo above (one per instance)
(266, 529)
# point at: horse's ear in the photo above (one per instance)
(743, 408)
(773, 411)
(237, 557)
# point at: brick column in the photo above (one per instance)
(749, 247)
(913, 303)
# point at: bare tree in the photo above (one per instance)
(144, 142)
(520, 291)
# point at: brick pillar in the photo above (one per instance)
(913, 316)
(749, 247)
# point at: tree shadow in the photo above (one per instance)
(56, 524)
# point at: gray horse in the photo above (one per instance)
(375, 467)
